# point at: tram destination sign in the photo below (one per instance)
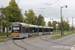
(15, 28)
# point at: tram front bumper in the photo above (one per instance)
(17, 36)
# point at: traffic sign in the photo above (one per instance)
(56, 27)
(57, 24)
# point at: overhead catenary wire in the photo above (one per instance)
(49, 5)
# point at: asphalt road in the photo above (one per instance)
(40, 43)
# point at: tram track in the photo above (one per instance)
(26, 44)
(32, 45)
(47, 40)
(19, 45)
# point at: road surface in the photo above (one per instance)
(40, 43)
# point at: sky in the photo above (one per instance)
(50, 9)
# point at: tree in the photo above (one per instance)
(54, 24)
(43, 23)
(68, 24)
(14, 13)
(49, 23)
(30, 17)
(2, 13)
(40, 20)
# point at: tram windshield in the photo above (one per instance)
(16, 29)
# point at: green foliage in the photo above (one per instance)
(30, 18)
(40, 20)
(58, 36)
(4, 35)
(65, 25)
(14, 13)
(49, 23)
(43, 23)
(2, 11)
(54, 24)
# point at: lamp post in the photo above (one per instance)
(1, 20)
(61, 16)
(72, 25)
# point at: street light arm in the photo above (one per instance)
(64, 6)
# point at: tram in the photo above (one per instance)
(21, 30)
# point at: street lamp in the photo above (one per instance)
(61, 16)
(72, 25)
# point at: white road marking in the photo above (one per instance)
(73, 48)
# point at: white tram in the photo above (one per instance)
(21, 30)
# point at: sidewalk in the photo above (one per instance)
(3, 46)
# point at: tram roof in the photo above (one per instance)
(36, 26)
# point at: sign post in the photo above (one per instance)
(57, 27)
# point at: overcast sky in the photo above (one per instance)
(52, 8)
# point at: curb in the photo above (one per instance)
(5, 40)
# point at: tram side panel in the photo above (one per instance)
(25, 31)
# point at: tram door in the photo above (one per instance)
(25, 31)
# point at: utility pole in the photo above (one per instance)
(0, 19)
(61, 19)
(7, 19)
(72, 25)
(29, 23)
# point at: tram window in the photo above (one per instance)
(23, 29)
(44, 29)
(40, 29)
(30, 28)
(36, 29)
(16, 29)
(51, 30)
(26, 29)
(47, 30)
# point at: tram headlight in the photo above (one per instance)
(21, 35)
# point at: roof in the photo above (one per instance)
(29, 25)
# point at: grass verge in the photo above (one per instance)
(58, 36)
(4, 35)
(1, 40)
(35, 36)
